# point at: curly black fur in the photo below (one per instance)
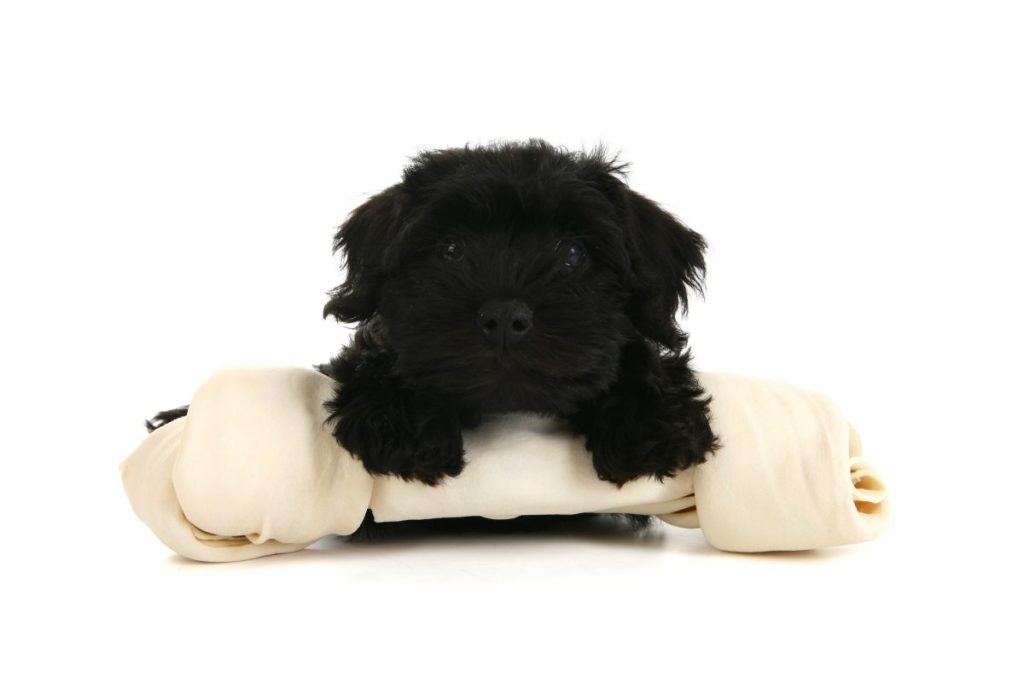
(516, 277)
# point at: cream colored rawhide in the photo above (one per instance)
(253, 470)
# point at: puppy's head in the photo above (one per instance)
(509, 277)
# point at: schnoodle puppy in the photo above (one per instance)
(516, 277)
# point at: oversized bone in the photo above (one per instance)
(253, 470)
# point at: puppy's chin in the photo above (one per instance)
(487, 383)
(522, 395)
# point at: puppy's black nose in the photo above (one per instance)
(505, 322)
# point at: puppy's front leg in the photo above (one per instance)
(653, 421)
(392, 429)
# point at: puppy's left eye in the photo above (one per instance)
(571, 255)
(450, 250)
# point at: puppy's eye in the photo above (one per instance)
(450, 250)
(571, 255)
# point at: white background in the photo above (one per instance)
(171, 177)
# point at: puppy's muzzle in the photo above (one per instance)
(505, 322)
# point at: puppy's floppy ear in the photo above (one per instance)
(364, 239)
(667, 260)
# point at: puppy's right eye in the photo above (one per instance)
(450, 250)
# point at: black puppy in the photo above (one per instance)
(516, 277)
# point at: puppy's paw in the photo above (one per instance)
(429, 456)
(392, 441)
(628, 444)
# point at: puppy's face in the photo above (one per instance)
(508, 297)
(510, 278)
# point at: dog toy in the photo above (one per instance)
(253, 470)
